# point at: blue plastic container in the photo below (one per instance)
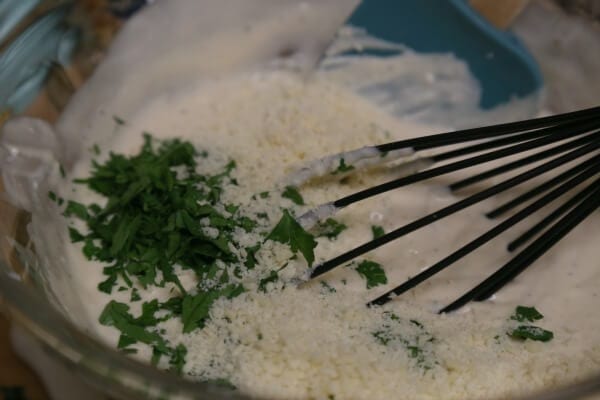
(498, 60)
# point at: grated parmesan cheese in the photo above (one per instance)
(320, 341)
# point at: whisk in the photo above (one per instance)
(570, 137)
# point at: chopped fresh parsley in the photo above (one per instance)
(76, 209)
(177, 360)
(151, 221)
(330, 228)
(134, 330)
(377, 231)
(372, 272)
(328, 288)
(531, 332)
(271, 278)
(58, 200)
(135, 296)
(118, 120)
(195, 308)
(289, 231)
(75, 235)
(117, 314)
(293, 194)
(409, 335)
(342, 167)
(527, 331)
(161, 215)
(523, 313)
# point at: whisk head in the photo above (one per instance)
(564, 149)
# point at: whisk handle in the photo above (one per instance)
(502, 13)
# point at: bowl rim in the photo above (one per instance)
(116, 374)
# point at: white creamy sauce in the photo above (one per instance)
(310, 343)
(301, 343)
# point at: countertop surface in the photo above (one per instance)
(17, 380)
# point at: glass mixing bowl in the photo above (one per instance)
(28, 301)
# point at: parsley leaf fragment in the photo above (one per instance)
(195, 308)
(372, 272)
(289, 231)
(135, 330)
(523, 313)
(531, 332)
(177, 360)
(377, 231)
(76, 209)
(117, 314)
(75, 235)
(342, 167)
(330, 228)
(293, 194)
(527, 331)
(271, 278)
(409, 335)
(327, 287)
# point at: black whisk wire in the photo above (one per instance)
(489, 132)
(538, 190)
(453, 208)
(472, 161)
(590, 167)
(565, 138)
(523, 161)
(539, 227)
(570, 129)
(532, 252)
